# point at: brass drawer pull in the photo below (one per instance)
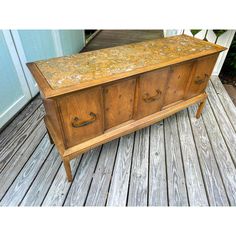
(149, 99)
(76, 123)
(200, 81)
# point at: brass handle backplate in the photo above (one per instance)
(77, 122)
(147, 98)
(201, 81)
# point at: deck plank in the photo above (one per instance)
(222, 155)
(42, 182)
(214, 185)
(23, 154)
(19, 137)
(157, 167)
(177, 192)
(60, 186)
(195, 185)
(112, 38)
(98, 192)
(138, 189)
(23, 181)
(225, 99)
(7, 133)
(120, 179)
(83, 178)
(226, 127)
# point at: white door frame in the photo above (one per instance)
(21, 53)
(17, 105)
(20, 50)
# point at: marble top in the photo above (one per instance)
(83, 67)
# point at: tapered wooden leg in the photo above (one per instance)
(68, 170)
(200, 108)
(50, 137)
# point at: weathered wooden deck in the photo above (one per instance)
(112, 38)
(180, 161)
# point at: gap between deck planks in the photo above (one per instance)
(19, 137)
(25, 178)
(177, 191)
(177, 162)
(11, 130)
(211, 175)
(23, 154)
(138, 187)
(225, 100)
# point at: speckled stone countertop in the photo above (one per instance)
(83, 67)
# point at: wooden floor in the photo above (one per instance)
(231, 90)
(112, 38)
(180, 161)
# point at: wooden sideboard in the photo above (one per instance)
(91, 98)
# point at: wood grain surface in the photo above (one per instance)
(195, 185)
(43, 180)
(120, 179)
(226, 127)
(57, 193)
(213, 182)
(226, 101)
(8, 133)
(150, 92)
(80, 105)
(138, 189)
(100, 185)
(118, 102)
(157, 167)
(23, 154)
(60, 75)
(222, 155)
(19, 137)
(177, 191)
(79, 189)
(23, 181)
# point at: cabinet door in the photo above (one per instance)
(177, 82)
(201, 75)
(150, 92)
(81, 115)
(119, 102)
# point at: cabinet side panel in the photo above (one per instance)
(52, 115)
(201, 75)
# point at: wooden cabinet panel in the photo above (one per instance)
(53, 115)
(201, 74)
(81, 115)
(177, 82)
(118, 102)
(150, 92)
